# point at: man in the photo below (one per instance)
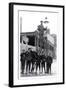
(38, 61)
(33, 60)
(23, 61)
(43, 62)
(41, 33)
(49, 62)
(28, 60)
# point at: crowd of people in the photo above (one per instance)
(30, 60)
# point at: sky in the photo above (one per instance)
(30, 21)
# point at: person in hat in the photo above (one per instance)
(28, 60)
(49, 61)
(33, 60)
(41, 34)
(23, 57)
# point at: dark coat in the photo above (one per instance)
(23, 57)
(34, 56)
(49, 59)
(28, 56)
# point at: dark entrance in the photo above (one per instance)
(31, 40)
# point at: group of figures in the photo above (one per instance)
(31, 62)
